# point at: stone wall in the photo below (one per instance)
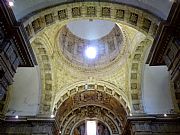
(28, 127)
(153, 125)
(136, 125)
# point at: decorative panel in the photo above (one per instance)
(76, 12)
(136, 107)
(155, 27)
(140, 49)
(135, 66)
(49, 18)
(62, 14)
(133, 85)
(46, 108)
(133, 75)
(146, 24)
(48, 97)
(48, 87)
(137, 56)
(36, 24)
(91, 11)
(133, 18)
(48, 76)
(47, 67)
(28, 30)
(119, 14)
(106, 12)
(134, 96)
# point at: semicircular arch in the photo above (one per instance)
(39, 46)
(101, 86)
(139, 19)
(88, 112)
(61, 14)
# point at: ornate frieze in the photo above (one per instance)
(135, 86)
(62, 14)
(102, 10)
(49, 19)
(133, 18)
(91, 11)
(120, 14)
(76, 11)
(90, 113)
(106, 12)
(47, 78)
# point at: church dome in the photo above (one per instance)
(87, 45)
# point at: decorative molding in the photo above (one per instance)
(136, 18)
(121, 14)
(46, 75)
(109, 89)
(136, 74)
(90, 112)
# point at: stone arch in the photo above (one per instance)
(137, 18)
(45, 66)
(118, 120)
(91, 104)
(61, 14)
(111, 124)
(81, 86)
(136, 74)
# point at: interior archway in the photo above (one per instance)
(90, 67)
(91, 105)
(136, 26)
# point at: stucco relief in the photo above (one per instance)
(46, 24)
(90, 113)
(92, 97)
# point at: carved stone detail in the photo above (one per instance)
(110, 12)
(135, 76)
(90, 112)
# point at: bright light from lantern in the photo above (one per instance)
(52, 116)
(91, 52)
(11, 3)
(91, 127)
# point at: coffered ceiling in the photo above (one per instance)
(24, 7)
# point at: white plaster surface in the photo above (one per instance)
(160, 8)
(90, 30)
(156, 90)
(25, 92)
